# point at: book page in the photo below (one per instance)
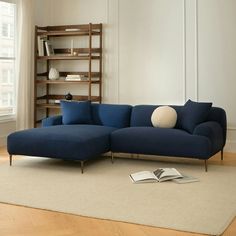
(143, 175)
(186, 179)
(170, 172)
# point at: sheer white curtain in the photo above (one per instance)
(25, 64)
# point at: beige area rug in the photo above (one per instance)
(105, 191)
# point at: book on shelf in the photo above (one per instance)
(159, 175)
(72, 30)
(41, 48)
(49, 48)
(76, 78)
(57, 101)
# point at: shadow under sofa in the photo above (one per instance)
(120, 129)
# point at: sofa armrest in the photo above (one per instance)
(213, 131)
(53, 120)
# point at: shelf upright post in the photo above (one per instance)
(47, 85)
(35, 76)
(100, 66)
(90, 62)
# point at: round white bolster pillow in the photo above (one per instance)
(164, 117)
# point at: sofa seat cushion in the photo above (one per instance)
(78, 142)
(158, 141)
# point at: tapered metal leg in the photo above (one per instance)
(222, 154)
(82, 166)
(205, 161)
(10, 159)
(112, 157)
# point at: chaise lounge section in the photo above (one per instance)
(80, 142)
(121, 129)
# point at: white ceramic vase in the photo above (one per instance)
(53, 74)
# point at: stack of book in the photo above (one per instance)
(75, 78)
(41, 47)
(45, 47)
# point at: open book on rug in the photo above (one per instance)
(186, 179)
(159, 175)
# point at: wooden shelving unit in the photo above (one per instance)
(88, 54)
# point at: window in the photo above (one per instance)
(7, 59)
(7, 30)
(7, 76)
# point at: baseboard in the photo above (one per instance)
(230, 146)
(3, 141)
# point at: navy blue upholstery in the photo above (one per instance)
(141, 115)
(74, 142)
(74, 112)
(214, 132)
(192, 114)
(121, 128)
(111, 115)
(117, 116)
(218, 114)
(160, 141)
(52, 120)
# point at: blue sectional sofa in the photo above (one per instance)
(120, 129)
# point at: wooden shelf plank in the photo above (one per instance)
(60, 81)
(75, 97)
(81, 73)
(64, 27)
(68, 33)
(78, 50)
(47, 105)
(69, 57)
(57, 106)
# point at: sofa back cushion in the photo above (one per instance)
(141, 114)
(113, 115)
(74, 112)
(193, 113)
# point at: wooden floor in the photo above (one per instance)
(23, 221)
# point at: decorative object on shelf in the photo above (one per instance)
(57, 101)
(68, 96)
(72, 47)
(53, 74)
(49, 48)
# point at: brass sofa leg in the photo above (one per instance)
(222, 154)
(82, 166)
(205, 162)
(112, 157)
(10, 159)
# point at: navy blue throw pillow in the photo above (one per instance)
(192, 114)
(76, 112)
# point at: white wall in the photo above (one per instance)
(217, 58)
(161, 51)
